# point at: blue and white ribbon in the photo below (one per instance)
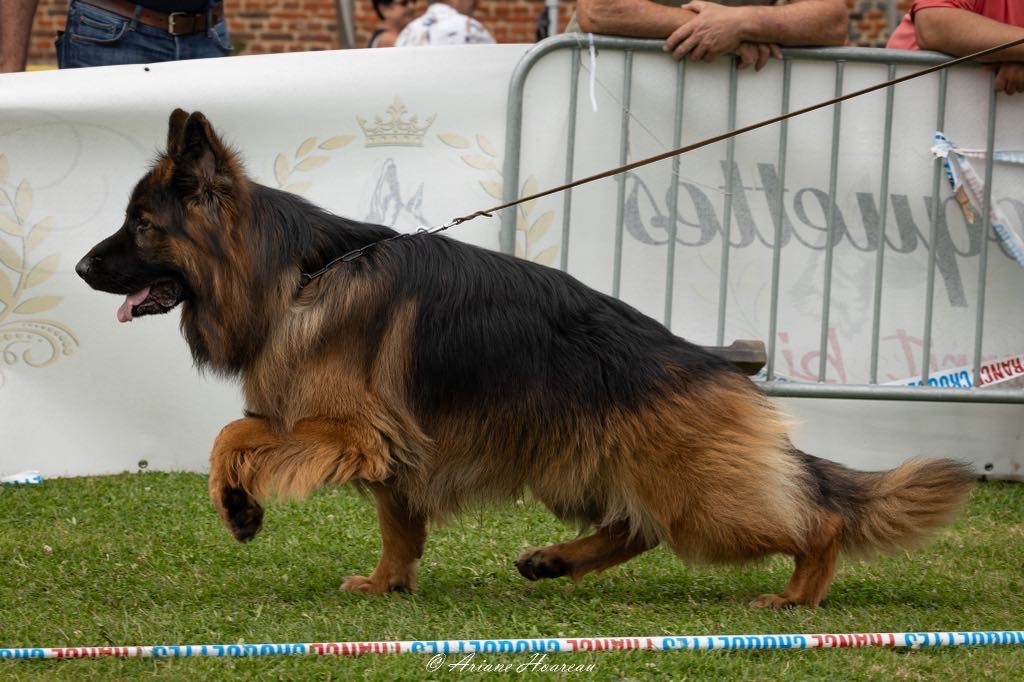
(969, 189)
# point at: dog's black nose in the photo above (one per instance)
(85, 266)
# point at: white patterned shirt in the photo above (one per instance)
(442, 24)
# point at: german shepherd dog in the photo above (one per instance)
(438, 375)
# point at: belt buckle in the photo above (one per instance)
(171, 18)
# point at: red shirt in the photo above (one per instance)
(1005, 11)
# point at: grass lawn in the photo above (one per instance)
(142, 559)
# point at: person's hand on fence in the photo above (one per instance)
(757, 54)
(1010, 78)
(715, 31)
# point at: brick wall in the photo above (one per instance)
(265, 26)
(269, 26)
(49, 19)
(869, 25)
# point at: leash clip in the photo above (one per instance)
(423, 229)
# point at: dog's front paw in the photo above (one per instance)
(358, 583)
(536, 564)
(242, 514)
(773, 601)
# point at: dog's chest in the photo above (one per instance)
(325, 384)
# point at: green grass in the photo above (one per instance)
(142, 559)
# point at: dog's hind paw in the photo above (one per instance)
(536, 564)
(242, 514)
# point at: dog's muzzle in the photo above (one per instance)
(86, 266)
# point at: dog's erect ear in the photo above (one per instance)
(202, 154)
(176, 132)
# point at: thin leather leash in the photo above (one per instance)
(306, 278)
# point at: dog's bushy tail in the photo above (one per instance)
(890, 511)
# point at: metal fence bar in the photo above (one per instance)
(883, 219)
(514, 122)
(782, 389)
(866, 55)
(937, 207)
(893, 16)
(773, 315)
(830, 243)
(673, 194)
(986, 229)
(627, 88)
(570, 154)
(730, 155)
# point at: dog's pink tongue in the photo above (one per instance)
(124, 313)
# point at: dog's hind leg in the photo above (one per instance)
(815, 568)
(608, 546)
(404, 533)
(251, 460)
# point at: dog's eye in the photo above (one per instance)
(142, 226)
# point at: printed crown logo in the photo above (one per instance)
(396, 130)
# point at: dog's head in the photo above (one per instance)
(176, 222)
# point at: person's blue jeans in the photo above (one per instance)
(96, 37)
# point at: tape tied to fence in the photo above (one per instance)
(989, 374)
(969, 188)
(912, 640)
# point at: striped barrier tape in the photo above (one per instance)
(990, 373)
(911, 640)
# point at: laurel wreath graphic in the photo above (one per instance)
(21, 334)
(481, 155)
(304, 160)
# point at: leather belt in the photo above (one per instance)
(175, 23)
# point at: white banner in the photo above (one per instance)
(416, 137)
(375, 139)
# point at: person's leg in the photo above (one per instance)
(214, 42)
(96, 37)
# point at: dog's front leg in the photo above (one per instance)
(251, 460)
(404, 533)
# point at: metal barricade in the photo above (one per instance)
(578, 46)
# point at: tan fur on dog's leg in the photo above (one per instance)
(403, 533)
(815, 569)
(250, 461)
(238, 510)
(606, 547)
